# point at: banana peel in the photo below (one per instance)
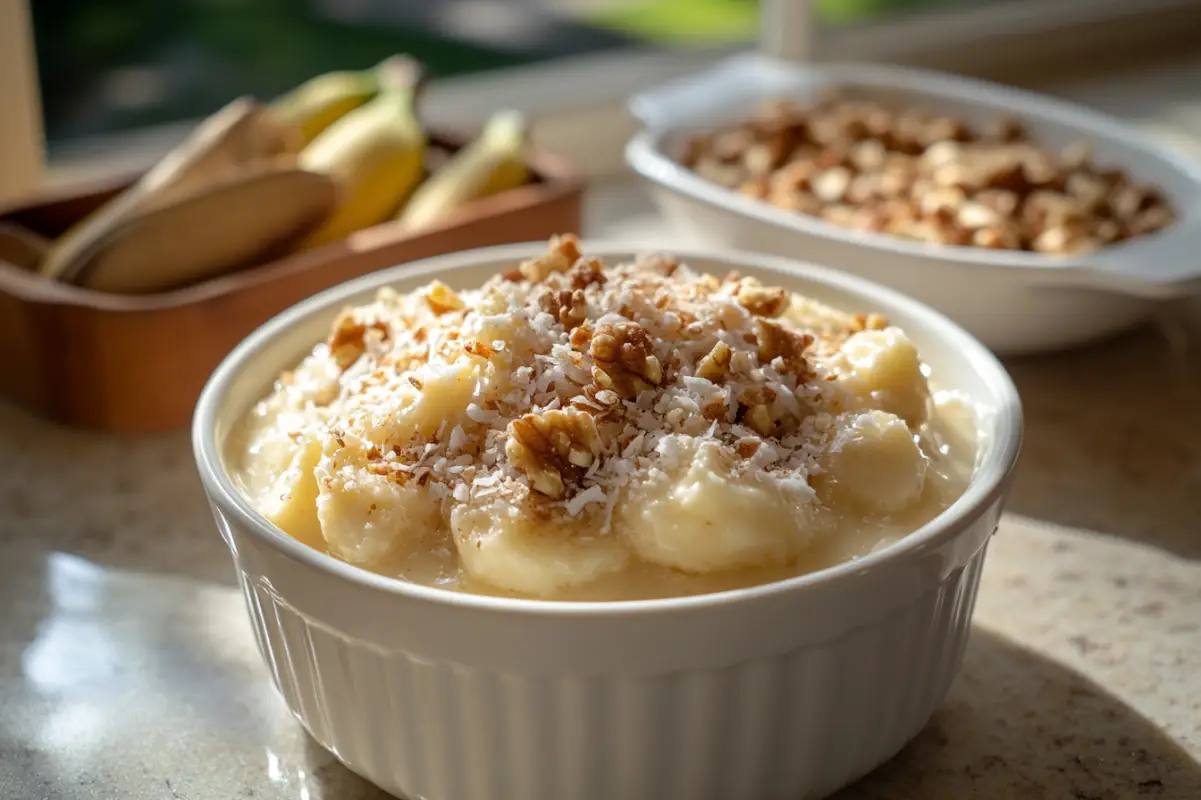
(22, 247)
(494, 162)
(239, 135)
(233, 223)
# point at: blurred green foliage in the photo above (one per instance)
(116, 64)
(202, 53)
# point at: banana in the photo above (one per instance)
(872, 462)
(492, 163)
(513, 550)
(377, 155)
(321, 101)
(239, 135)
(234, 223)
(366, 517)
(22, 247)
(882, 368)
(703, 519)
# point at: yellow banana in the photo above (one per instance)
(321, 101)
(492, 163)
(377, 155)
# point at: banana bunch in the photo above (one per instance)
(493, 163)
(380, 155)
(376, 153)
(230, 195)
(319, 102)
(341, 152)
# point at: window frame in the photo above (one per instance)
(578, 107)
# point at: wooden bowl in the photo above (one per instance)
(137, 363)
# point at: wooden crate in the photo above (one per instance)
(136, 363)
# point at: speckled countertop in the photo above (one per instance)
(128, 670)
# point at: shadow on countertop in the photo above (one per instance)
(1111, 441)
(1016, 725)
(1020, 725)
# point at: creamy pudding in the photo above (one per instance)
(604, 431)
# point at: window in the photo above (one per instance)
(124, 78)
(842, 13)
(110, 65)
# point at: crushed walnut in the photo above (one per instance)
(566, 379)
(926, 176)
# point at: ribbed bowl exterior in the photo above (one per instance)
(796, 724)
(788, 690)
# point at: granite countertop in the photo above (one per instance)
(127, 667)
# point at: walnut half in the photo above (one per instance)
(553, 447)
(569, 307)
(622, 359)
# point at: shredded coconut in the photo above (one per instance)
(660, 361)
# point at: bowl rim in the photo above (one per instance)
(987, 485)
(645, 155)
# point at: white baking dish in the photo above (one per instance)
(787, 690)
(1016, 302)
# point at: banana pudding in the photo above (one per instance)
(589, 431)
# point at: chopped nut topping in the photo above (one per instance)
(442, 299)
(747, 446)
(348, 342)
(553, 446)
(604, 370)
(585, 273)
(563, 253)
(478, 349)
(569, 307)
(713, 366)
(758, 419)
(927, 177)
(581, 337)
(867, 322)
(763, 301)
(776, 341)
(715, 408)
(623, 359)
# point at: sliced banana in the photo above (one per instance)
(278, 424)
(365, 517)
(706, 520)
(873, 461)
(881, 369)
(290, 501)
(510, 549)
(441, 398)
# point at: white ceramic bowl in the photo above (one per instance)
(787, 690)
(1015, 302)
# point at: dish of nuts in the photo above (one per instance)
(927, 177)
(575, 429)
